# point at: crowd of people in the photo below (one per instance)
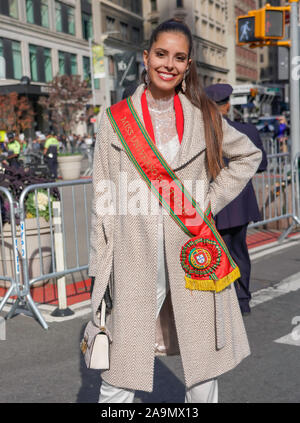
(71, 143)
(48, 145)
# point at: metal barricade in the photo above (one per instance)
(10, 259)
(296, 167)
(269, 144)
(61, 242)
(276, 192)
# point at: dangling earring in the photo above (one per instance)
(147, 79)
(183, 85)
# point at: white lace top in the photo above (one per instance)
(163, 119)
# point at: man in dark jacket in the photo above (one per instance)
(233, 220)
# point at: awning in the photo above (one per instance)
(24, 89)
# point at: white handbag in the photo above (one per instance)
(95, 344)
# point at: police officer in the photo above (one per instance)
(13, 149)
(50, 153)
(233, 220)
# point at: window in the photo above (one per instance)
(136, 6)
(37, 12)
(11, 52)
(136, 35)
(110, 23)
(124, 31)
(73, 64)
(87, 26)
(179, 3)
(65, 18)
(153, 5)
(9, 8)
(67, 63)
(58, 16)
(71, 20)
(40, 64)
(17, 59)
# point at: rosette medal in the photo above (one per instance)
(199, 259)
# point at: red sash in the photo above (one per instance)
(205, 259)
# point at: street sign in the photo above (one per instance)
(126, 68)
(234, 101)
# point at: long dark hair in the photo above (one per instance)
(195, 93)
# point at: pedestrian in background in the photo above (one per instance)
(281, 132)
(36, 145)
(23, 143)
(232, 222)
(50, 152)
(13, 149)
(152, 310)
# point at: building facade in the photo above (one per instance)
(119, 25)
(42, 38)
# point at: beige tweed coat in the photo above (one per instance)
(124, 243)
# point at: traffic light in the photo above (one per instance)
(267, 23)
(245, 29)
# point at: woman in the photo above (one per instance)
(280, 133)
(153, 312)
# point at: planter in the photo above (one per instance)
(70, 166)
(35, 261)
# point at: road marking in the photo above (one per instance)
(289, 339)
(287, 285)
(264, 250)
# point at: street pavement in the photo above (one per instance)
(45, 366)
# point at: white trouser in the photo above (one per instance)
(206, 392)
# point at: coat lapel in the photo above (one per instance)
(193, 141)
